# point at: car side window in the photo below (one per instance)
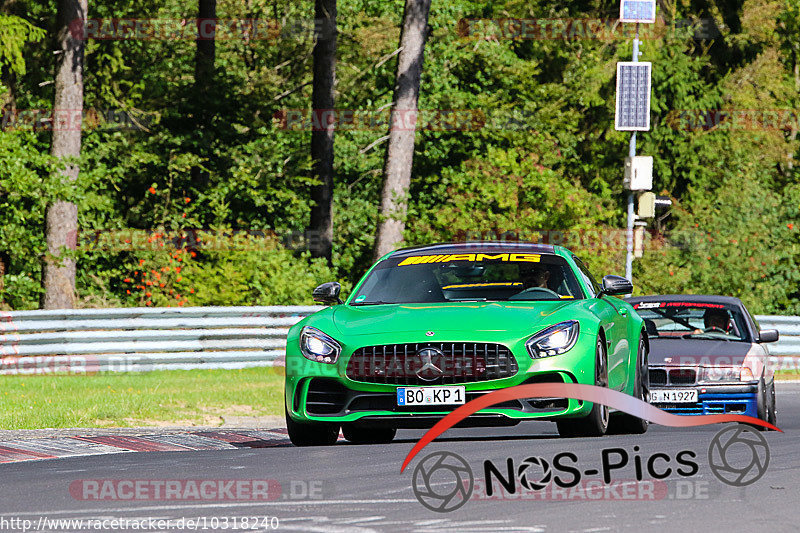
(594, 288)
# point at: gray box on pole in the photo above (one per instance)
(638, 173)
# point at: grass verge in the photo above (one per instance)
(168, 397)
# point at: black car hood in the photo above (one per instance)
(697, 352)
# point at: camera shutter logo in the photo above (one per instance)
(527, 477)
(738, 455)
(442, 482)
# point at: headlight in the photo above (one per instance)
(318, 347)
(723, 374)
(554, 340)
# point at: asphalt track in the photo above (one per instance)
(347, 488)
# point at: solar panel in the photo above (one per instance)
(633, 96)
(637, 11)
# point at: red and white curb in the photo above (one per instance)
(13, 451)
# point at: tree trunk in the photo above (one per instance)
(5, 262)
(204, 58)
(400, 151)
(206, 43)
(62, 217)
(322, 101)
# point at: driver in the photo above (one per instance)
(716, 320)
(538, 276)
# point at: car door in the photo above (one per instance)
(614, 316)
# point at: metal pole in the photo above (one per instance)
(631, 153)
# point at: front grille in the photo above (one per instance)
(398, 364)
(673, 376)
(658, 377)
(693, 408)
(682, 376)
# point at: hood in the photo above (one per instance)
(452, 316)
(694, 352)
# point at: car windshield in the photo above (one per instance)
(692, 320)
(474, 276)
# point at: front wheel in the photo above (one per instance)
(596, 423)
(623, 423)
(772, 412)
(761, 403)
(311, 433)
(767, 410)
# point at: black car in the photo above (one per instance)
(707, 356)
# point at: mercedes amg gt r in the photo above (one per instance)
(430, 328)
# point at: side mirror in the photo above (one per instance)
(616, 285)
(327, 293)
(768, 335)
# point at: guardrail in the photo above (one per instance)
(789, 329)
(143, 339)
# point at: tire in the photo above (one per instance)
(311, 434)
(772, 409)
(596, 423)
(623, 423)
(761, 403)
(368, 435)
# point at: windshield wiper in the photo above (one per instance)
(376, 302)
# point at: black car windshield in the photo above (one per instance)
(692, 320)
(473, 276)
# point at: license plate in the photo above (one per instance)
(430, 396)
(673, 396)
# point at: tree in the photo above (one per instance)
(62, 216)
(400, 152)
(204, 58)
(322, 100)
(206, 42)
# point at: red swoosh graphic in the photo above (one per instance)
(590, 393)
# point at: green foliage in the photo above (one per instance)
(216, 155)
(15, 33)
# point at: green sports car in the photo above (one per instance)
(432, 327)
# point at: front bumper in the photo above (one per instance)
(325, 399)
(324, 393)
(716, 399)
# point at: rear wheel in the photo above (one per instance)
(623, 423)
(311, 433)
(596, 423)
(367, 435)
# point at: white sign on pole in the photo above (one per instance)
(633, 96)
(637, 11)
